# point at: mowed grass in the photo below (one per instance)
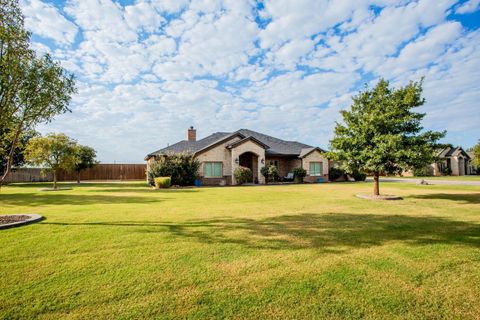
(447, 178)
(125, 251)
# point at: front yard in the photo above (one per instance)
(447, 178)
(125, 251)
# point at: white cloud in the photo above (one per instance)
(143, 16)
(48, 22)
(148, 70)
(468, 7)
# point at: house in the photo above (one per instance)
(221, 153)
(454, 161)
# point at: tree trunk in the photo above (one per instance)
(78, 176)
(376, 184)
(10, 155)
(54, 179)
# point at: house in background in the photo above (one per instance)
(221, 153)
(455, 160)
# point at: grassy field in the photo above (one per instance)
(449, 178)
(124, 251)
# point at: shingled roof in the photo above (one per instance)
(274, 146)
(451, 152)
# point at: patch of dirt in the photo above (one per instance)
(13, 218)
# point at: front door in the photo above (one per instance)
(249, 160)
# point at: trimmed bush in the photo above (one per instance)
(299, 173)
(335, 173)
(162, 182)
(270, 173)
(243, 175)
(182, 168)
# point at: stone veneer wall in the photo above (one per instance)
(248, 146)
(218, 153)
(315, 156)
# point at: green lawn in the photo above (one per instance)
(125, 251)
(451, 178)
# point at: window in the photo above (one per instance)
(316, 168)
(212, 170)
(273, 163)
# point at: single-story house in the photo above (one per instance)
(453, 159)
(221, 153)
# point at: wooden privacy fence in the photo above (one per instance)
(102, 171)
(27, 175)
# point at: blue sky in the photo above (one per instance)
(147, 70)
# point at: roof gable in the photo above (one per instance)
(275, 146)
(306, 151)
(254, 140)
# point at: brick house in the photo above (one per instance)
(221, 153)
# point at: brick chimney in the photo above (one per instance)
(192, 134)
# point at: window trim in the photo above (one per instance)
(320, 163)
(213, 171)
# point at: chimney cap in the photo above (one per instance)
(191, 127)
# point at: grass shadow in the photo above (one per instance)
(330, 232)
(50, 198)
(465, 198)
(143, 190)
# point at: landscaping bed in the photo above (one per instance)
(15, 220)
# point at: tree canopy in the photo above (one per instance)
(85, 159)
(381, 134)
(53, 152)
(476, 154)
(33, 89)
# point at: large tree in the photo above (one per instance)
(476, 154)
(33, 89)
(381, 134)
(53, 152)
(85, 159)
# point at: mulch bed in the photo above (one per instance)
(13, 218)
(380, 197)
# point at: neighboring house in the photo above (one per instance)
(456, 159)
(221, 153)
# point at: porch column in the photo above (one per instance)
(235, 165)
(261, 178)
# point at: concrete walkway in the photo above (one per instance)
(430, 181)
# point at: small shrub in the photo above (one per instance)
(270, 173)
(162, 182)
(335, 173)
(421, 172)
(299, 173)
(243, 175)
(359, 176)
(446, 171)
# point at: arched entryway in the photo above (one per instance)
(250, 160)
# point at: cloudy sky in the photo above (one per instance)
(147, 70)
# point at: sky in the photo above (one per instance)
(147, 70)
